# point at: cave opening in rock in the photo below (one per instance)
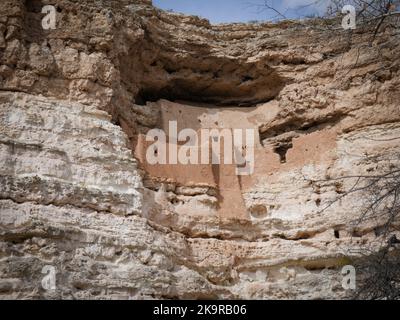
(201, 77)
(282, 150)
(199, 90)
(336, 234)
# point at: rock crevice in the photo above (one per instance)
(77, 193)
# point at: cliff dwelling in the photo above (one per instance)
(78, 195)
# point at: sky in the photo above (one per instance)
(220, 11)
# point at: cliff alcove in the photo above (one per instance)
(76, 191)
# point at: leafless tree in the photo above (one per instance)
(370, 14)
(378, 267)
(379, 272)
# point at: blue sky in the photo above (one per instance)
(218, 11)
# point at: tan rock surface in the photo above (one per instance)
(76, 192)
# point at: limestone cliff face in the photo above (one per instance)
(77, 194)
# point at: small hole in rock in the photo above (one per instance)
(247, 78)
(282, 150)
(336, 233)
(258, 211)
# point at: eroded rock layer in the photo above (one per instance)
(76, 192)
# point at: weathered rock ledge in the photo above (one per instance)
(76, 193)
